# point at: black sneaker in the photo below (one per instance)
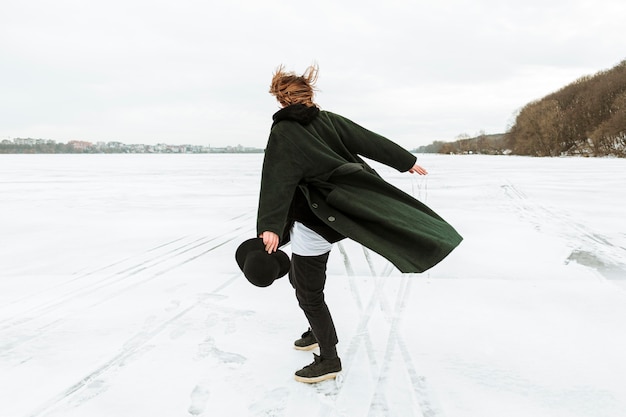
(306, 342)
(319, 370)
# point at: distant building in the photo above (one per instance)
(22, 141)
(115, 145)
(80, 145)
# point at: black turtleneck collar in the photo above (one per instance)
(298, 113)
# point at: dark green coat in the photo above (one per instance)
(318, 152)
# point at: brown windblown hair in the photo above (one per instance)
(289, 88)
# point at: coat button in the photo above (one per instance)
(331, 218)
(314, 205)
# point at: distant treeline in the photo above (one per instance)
(587, 117)
(38, 148)
(482, 144)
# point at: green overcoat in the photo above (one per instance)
(319, 154)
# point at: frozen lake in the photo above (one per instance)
(119, 294)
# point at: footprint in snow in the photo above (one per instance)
(228, 357)
(199, 398)
(207, 348)
(273, 403)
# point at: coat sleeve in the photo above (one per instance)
(281, 174)
(371, 145)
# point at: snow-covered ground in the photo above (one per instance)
(119, 295)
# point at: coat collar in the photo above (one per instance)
(297, 112)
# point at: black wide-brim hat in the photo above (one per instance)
(258, 266)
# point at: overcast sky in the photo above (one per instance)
(198, 72)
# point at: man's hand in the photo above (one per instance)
(270, 240)
(418, 170)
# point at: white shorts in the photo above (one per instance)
(306, 242)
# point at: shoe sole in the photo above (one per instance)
(313, 380)
(310, 347)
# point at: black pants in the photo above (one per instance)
(308, 277)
